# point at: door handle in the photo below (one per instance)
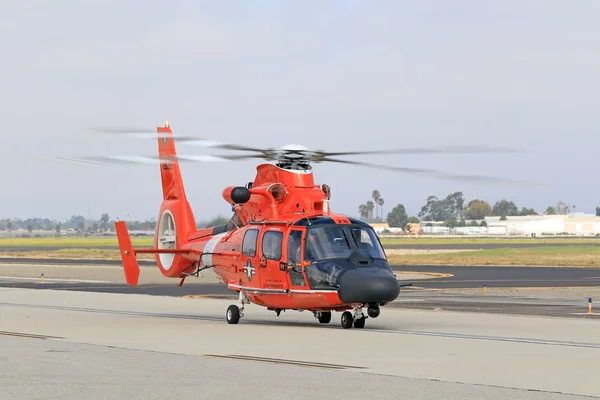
(263, 262)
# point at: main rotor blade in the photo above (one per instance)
(192, 140)
(103, 160)
(208, 143)
(438, 174)
(425, 150)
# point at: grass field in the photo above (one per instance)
(92, 242)
(567, 256)
(76, 253)
(99, 242)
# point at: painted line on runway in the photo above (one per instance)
(436, 275)
(28, 335)
(300, 324)
(57, 280)
(283, 361)
(492, 338)
(209, 296)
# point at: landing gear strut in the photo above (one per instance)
(356, 318)
(235, 312)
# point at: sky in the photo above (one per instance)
(330, 75)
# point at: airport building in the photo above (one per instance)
(538, 225)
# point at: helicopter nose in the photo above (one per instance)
(367, 285)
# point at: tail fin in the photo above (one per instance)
(172, 183)
(176, 220)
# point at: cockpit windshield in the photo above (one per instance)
(341, 241)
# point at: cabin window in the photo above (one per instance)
(271, 245)
(249, 245)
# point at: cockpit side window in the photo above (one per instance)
(367, 241)
(271, 245)
(293, 251)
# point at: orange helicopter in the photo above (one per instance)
(283, 249)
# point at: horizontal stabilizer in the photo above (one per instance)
(130, 263)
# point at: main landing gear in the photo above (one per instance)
(324, 317)
(235, 312)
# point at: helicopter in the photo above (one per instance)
(283, 248)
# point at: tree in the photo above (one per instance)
(562, 208)
(104, 218)
(376, 196)
(451, 222)
(550, 211)
(505, 208)
(440, 210)
(527, 211)
(413, 220)
(380, 203)
(377, 201)
(478, 209)
(362, 210)
(397, 218)
(597, 211)
(370, 206)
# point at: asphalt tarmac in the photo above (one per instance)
(450, 278)
(421, 295)
(101, 345)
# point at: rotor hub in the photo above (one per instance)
(293, 157)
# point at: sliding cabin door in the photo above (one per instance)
(273, 275)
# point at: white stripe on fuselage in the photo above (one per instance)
(210, 246)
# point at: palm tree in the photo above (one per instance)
(376, 196)
(362, 209)
(380, 203)
(370, 206)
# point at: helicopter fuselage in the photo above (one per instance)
(263, 251)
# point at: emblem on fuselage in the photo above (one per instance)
(250, 270)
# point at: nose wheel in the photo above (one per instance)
(235, 312)
(356, 318)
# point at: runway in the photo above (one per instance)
(443, 277)
(65, 344)
(430, 288)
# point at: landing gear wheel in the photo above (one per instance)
(233, 314)
(347, 320)
(360, 323)
(325, 317)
